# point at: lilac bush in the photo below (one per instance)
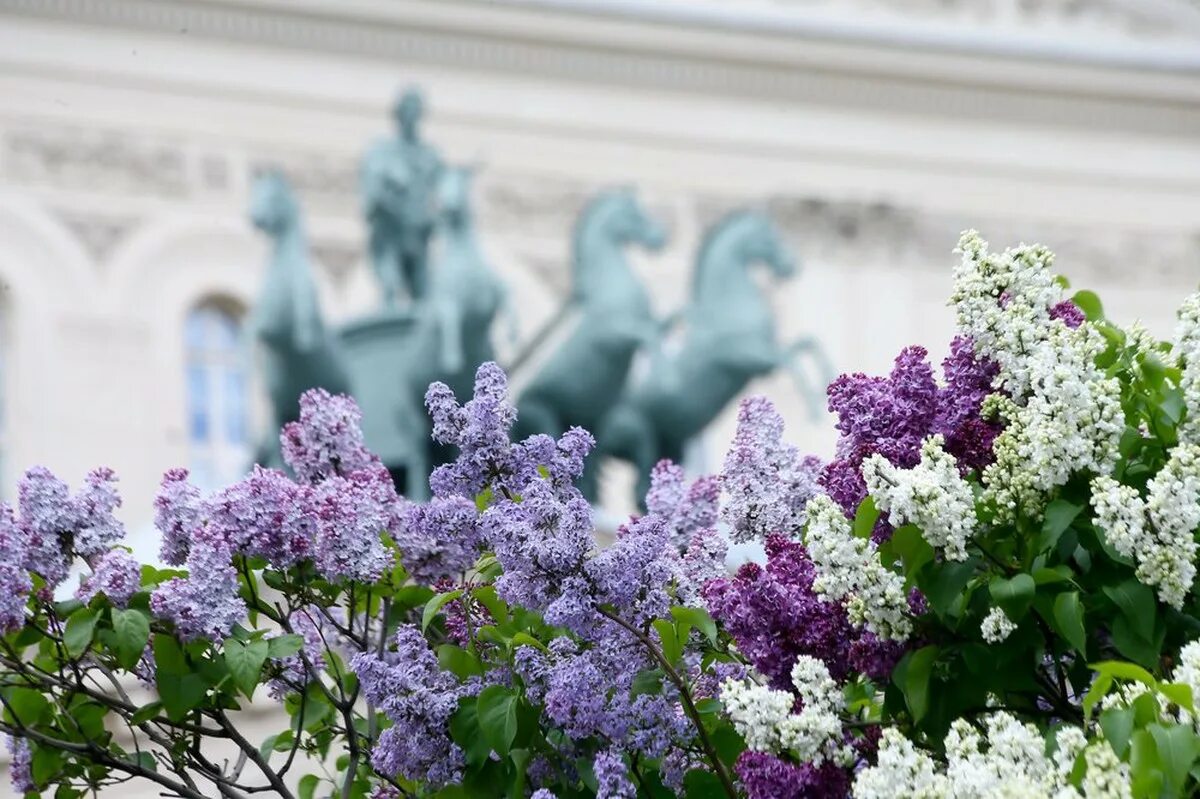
(987, 590)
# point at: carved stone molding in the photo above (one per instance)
(114, 161)
(338, 258)
(98, 233)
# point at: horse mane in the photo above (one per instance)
(715, 230)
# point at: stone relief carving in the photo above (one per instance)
(99, 234)
(74, 157)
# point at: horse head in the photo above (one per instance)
(273, 208)
(613, 220)
(737, 241)
(454, 196)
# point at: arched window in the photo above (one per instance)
(218, 397)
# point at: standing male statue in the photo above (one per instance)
(399, 178)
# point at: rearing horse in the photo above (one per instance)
(730, 340)
(298, 352)
(583, 379)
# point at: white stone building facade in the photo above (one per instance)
(873, 131)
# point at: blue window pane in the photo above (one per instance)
(198, 402)
(235, 406)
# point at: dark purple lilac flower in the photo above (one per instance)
(20, 767)
(205, 603)
(767, 482)
(327, 440)
(351, 515)
(438, 539)
(419, 698)
(968, 378)
(177, 514)
(15, 584)
(765, 776)
(116, 574)
(774, 616)
(1069, 314)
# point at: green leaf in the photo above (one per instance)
(307, 786)
(1177, 749)
(865, 517)
(1097, 691)
(245, 660)
(1180, 694)
(1068, 620)
(1129, 638)
(1059, 515)
(914, 680)
(80, 629)
(1013, 595)
(464, 727)
(525, 639)
(146, 712)
(698, 618)
(1124, 671)
(281, 646)
(132, 630)
(1133, 599)
(671, 646)
(947, 583)
(434, 605)
(1117, 723)
(25, 705)
(459, 661)
(1143, 759)
(1089, 303)
(497, 711)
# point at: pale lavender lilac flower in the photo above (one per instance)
(116, 574)
(20, 767)
(327, 440)
(265, 515)
(48, 519)
(177, 514)
(15, 584)
(205, 603)
(438, 539)
(305, 622)
(612, 778)
(351, 515)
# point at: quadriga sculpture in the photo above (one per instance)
(583, 378)
(729, 340)
(298, 351)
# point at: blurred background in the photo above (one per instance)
(871, 131)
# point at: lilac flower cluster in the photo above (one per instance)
(775, 616)
(766, 481)
(305, 622)
(58, 526)
(891, 416)
(612, 781)
(419, 699)
(116, 574)
(20, 767)
(15, 584)
(334, 515)
(765, 776)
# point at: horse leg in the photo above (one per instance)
(536, 416)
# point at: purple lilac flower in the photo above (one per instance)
(264, 515)
(351, 514)
(632, 573)
(419, 698)
(774, 616)
(47, 517)
(327, 440)
(686, 510)
(968, 380)
(612, 778)
(1069, 314)
(767, 482)
(205, 603)
(765, 776)
(20, 768)
(438, 539)
(15, 584)
(116, 574)
(542, 793)
(96, 528)
(480, 430)
(176, 515)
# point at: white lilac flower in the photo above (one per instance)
(1106, 776)
(1157, 533)
(1006, 759)
(756, 712)
(763, 716)
(932, 495)
(848, 570)
(996, 626)
(1187, 349)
